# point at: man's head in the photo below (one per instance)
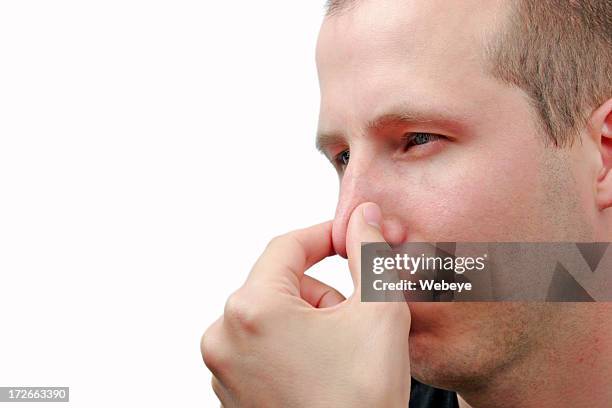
(470, 121)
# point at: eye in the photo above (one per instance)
(342, 159)
(419, 138)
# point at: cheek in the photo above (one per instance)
(480, 197)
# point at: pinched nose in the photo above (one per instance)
(363, 182)
(339, 228)
(394, 232)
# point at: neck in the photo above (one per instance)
(570, 368)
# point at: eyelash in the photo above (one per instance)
(408, 139)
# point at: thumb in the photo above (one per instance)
(363, 227)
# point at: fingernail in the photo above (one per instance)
(372, 215)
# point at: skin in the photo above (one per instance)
(388, 69)
(288, 340)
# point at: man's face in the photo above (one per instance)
(450, 154)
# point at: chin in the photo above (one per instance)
(456, 346)
(433, 344)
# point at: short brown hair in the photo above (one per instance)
(559, 52)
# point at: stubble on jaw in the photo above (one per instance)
(498, 337)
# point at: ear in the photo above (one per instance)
(601, 125)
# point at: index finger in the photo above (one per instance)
(288, 256)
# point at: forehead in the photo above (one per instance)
(393, 52)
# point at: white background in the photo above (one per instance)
(148, 152)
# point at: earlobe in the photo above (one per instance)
(601, 124)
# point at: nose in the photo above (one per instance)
(350, 197)
(367, 184)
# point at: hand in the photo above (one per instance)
(288, 340)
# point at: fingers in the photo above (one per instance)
(214, 359)
(318, 294)
(211, 348)
(288, 256)
(221, 392)
(363, 227)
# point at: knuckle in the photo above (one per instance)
(277, 241)
(243, 312)
(290, 242)
(211, 347)
(208, 351)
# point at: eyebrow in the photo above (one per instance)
(397, 115)
(325, 140)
